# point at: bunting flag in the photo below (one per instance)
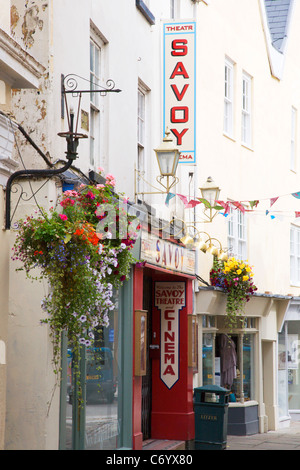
(253, 203)
(225, 206)
(237, 205)
(273, 200)
(188, 204)
(168, 198)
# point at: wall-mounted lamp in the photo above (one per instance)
(167, 155)
(205, 245)
(210, 192)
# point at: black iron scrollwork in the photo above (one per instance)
(70, 85)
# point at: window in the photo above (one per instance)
(174, 9)
(96, 100)
(143, 7)
(228, 98)
(95, 61)
(228, 360)
(141, 133)
(295, 255)
(293, 139)
(246, 109)
(237, 234)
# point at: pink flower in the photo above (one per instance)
(90, 195)
(63, 216)
(71, 192)
(110, 180)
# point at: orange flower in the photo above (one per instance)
(92, 237)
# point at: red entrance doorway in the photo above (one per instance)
(168, 383)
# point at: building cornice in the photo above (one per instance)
(32, 69)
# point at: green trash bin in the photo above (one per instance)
(211, 417)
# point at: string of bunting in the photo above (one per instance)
(221, 205)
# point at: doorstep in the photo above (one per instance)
(163, 444)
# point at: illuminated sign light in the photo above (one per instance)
(179, 82)
(169, 299)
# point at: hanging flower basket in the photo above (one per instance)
(235, 277)
(83, 249)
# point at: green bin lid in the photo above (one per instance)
(213, 389)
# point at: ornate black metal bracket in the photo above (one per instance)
(69, 85)
(71, 154)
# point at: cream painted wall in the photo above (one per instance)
(4, 262)
(234, 29)
(58, 36)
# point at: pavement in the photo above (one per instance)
(282, 439)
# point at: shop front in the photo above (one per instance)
(242, 359)
(288, 365)
(163, 359)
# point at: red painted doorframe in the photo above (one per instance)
(172, 409)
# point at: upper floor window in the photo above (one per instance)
(246, 109)
(141, 132)
(95, 59)
(144, 7)
(97, 77)
(228, 98)
(295, 255)
(174, 9)
(293, 139)
(237, 234)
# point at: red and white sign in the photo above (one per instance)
(169, 299)
(179, 81)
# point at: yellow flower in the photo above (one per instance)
(248, 269)
(245, 278)
(239, 271)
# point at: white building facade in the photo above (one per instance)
(215, 74)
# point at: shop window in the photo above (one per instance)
(228, 359)
(94, 409)
(289, 369)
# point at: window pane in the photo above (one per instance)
(248, 366)
(207, 358)
(101, 388)
(293, 343)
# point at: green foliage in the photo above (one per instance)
(235, 277)
(83, 249)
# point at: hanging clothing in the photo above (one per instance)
(228, 361)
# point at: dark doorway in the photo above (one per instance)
(147, 379)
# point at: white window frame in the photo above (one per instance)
(295, 255)
(246, 124)
(174, 9)
(141, 132)
(96, 100)
(237, 234)
(228, 97)
(293, 162)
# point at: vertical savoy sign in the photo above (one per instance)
(179, 86)
(169, 299)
